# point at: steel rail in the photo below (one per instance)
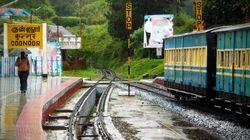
(77, 108)
(100, 113)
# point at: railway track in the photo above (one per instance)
(76, 121)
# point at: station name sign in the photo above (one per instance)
(129, 15)
(25, 35)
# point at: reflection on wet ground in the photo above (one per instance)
(12, 101)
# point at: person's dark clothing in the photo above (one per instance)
(23, 76)
(23, 71)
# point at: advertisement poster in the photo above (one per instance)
(54, 58)
(156, 28)
(54, 63)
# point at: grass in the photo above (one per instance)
(89, 72)
(139, 68)
(142, 67)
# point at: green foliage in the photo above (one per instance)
(137, 45)
(95, 40)
(31, 4)
(93, 13)
(66, 21)
(116, 15)
(26, 19)
(183, 23)
(139, 67)
(65, 7)
(45, 12)
(89, 72)
(225, 12)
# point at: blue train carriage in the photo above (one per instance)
(233, 66)
(189, 63)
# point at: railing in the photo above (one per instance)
(8, 69)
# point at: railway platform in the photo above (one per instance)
(21, 115)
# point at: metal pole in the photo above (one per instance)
(129, 64)
(129, 28)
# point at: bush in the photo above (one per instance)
(183, 23)
(45, 12)
(66, 21)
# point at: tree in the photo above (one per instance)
(116, 15)
(225, 12)
(45, 12)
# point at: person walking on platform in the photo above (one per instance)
(23, 71)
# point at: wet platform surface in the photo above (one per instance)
(12, 101)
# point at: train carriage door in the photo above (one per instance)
(239, 63)
(248, 63)
(244, 62)
(229, 71)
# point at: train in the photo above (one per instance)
(213, 64)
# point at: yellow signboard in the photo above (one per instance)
(129, 15)
(25, 35)
(198, 14)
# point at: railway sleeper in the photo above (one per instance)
(58, 117)
(84, 136)
(54, 127)
(63, 111)
(86, 124)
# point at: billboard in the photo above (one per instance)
(157, 27)
(70, 42)
(54, 62)
(24, 35)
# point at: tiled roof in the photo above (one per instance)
(13, 11)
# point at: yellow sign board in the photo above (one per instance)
(25, 35)
(129, 15)
(198, 15)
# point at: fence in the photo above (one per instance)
(8, 69)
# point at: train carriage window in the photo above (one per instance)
(178, 56)
(195, 56)
(190, 57)
(170, 54)
(236, 58)
(199, 57)
(165, 56)
(239, 59)
(248, 58)
(222, 59)
(184, 56)
(174, 56)
(226, 59)
(230, 58)
(243, 59)
(204, 56)
(218, 59)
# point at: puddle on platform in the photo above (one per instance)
(12, 101)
